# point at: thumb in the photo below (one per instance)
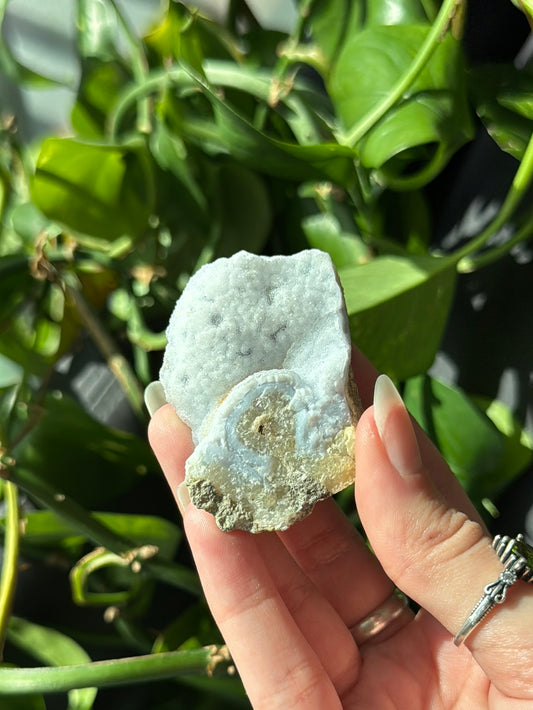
(430, 542)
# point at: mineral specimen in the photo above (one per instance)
(258, 365)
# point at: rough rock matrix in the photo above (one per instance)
(258, 365)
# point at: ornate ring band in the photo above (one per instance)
(517, 557)
(376, 622)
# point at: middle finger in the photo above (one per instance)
(331, 552)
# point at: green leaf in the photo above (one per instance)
(79, 456)
(193, 626)
(28, 336)
(232, 133)
(100, 85)
(517, 445)
(188, 37)
(18, 73)
(21, 702)
(10, 372)
(503, 99)
(330, 23)
(15, 282)
(52, 648)
(405, 219)
(466, 437)
(96, 29)
(170, 152)
(101, 190)
(398, 309)
(416, 137)
(12, 68)
(28, 222)
(8, 401)
(44, 528)
(323, 231)
(394, 12)
(526, 6)
(244, 215)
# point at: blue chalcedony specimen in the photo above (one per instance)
(258, 365)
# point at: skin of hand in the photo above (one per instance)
(285, 602)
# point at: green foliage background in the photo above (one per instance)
(191, 143)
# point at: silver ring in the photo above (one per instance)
(376, 622)
(517, 557)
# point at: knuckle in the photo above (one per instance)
(436, 538)
(454, 536)
(321, 549)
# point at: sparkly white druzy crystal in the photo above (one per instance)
(258, 365)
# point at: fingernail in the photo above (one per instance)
(395, 428)
(182, 495)
(154, 397)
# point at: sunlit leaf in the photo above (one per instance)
(417, 136)
(467, 438)
(323, 231)
(44, 528)
(189, 37)
(95, 188)
(96, 29)
(394, 12)
(398, 309)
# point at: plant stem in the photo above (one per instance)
(116, 362)
(469, 264)
(519, 185)
(86, 524)
(430, 44)
(282, 65)
(10, 558)
(137, 669)
(139, 66)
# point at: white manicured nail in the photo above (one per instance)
(154, 397)
(395, 428)
(183, 497)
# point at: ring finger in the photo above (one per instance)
(334, 556)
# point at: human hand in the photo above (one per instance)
(290, 604)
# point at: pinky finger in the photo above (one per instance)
(278, 667)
